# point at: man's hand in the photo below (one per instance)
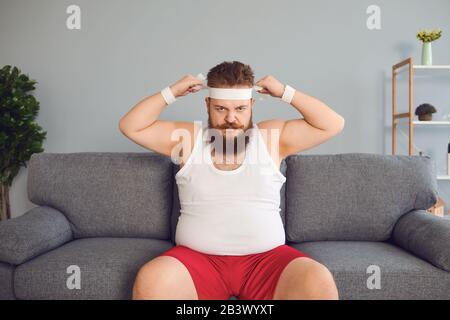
(271, 86)
(187, 84)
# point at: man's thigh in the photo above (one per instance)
(206, 272)
(262, 280)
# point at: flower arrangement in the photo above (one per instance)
(429, 35)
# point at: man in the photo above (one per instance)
(230, 237)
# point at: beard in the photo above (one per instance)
(237, 147)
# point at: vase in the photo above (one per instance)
(427, 58)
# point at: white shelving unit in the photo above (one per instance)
(434, 123)
(396, 70)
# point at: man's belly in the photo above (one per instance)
(230, 231)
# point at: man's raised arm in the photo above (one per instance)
(141, 123)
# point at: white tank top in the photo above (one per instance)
(234, 212)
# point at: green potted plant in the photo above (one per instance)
(20, 136)
(428, 36)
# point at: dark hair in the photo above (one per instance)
(230, 74)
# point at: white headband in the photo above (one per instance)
(228, 93)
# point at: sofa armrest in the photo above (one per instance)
(37, 231)
(425, 235)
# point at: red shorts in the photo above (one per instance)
(249, 277)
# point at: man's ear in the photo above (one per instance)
(207, 102)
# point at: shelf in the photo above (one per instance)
(422, 67)
(431, 67)
(443, 177)
(424, 123)
(418, 122)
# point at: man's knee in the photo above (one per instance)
(164, 278)
(319, 282)
(305, 278)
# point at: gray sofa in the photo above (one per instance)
(361, 215)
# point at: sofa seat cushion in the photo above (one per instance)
(402, 275)
(107, 266)
(6, 281)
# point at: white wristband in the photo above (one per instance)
(168, 95)
(288, 94)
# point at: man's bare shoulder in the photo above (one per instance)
(271, 124)
(268, 126)
(186, 149)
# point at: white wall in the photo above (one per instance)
(126, 50)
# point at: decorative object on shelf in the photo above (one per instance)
(448, 160)
(438, 208)
(427, 37)
(425, 112)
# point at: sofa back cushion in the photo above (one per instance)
(106, 194)
(354, 196)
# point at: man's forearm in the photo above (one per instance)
(143, 114)
(317, 113)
